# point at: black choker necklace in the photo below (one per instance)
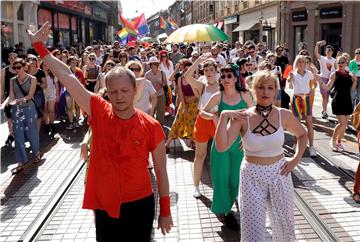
(264, 111)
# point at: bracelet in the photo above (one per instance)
(41, 49)
(165, 206)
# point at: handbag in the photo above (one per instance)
(167, 92)
(38, 110)
(285, 99)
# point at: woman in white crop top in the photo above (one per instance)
(264, 170)
(204, 129)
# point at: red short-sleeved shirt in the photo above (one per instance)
(119, 157)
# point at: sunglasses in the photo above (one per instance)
(163, 56)
(92, 59)
(279, 50)
(357, 53)
(31, 59)
(110, 64)
(135, 69)
(248, 64)
(195, 56)
(228, 76)
(154, 64)
(341, 62)
(17, 67)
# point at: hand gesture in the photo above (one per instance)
(84, 151)
(41, 35)
(236, 114)
(165, 224)
(321, 43)
(288, 167)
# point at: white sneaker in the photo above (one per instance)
(197, 193)
(312, 151)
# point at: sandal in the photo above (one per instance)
(17, 169)
(37, 158)
(356, 197)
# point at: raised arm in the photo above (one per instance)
(61, 71)
(316, 50)
(195, 84)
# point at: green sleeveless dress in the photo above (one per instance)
(225, 168)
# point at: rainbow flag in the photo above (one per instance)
(129, 28)
(123, 35)
(140, 24)
(163, 23)
(172, 23)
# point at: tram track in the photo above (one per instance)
(319, 225)
(35, 229)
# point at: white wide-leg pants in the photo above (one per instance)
(262, 185)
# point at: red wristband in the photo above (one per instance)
(165, 206)
(41, 49)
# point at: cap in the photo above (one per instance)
(153, 59)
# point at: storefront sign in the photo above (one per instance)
(267, 28)
(231, 20)
(331, 12)
(99, 13)
(299, 16)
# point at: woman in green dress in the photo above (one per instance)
(225, 166)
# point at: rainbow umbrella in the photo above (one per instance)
(197, 33)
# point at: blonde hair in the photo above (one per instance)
(297, 59)
(261, 77)
(138, 63)
(341, 57)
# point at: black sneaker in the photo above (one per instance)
(324, 115)
(231, 222)
(47, 128)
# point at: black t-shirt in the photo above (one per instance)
(282, 61)
(246, 74)
(39, 74)
(8, 76)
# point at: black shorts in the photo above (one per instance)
(135, 222)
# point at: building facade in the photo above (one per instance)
(16, 17)
(305, 23)
(78, 21)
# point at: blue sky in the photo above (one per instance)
(133, 8)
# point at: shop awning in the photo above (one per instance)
(245, 26)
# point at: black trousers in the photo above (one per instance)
(135, 222)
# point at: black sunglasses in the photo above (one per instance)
(357, 53)
(135, 69)
(31, 59)
(341, 62)
(17, 67)
(92, 59)
(110, 64)
(229, 76)
(164, 56)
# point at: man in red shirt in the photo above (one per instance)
(118, 186)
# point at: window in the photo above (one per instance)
(7, 10)
(20, 13)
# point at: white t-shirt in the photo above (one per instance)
(143, 101)
(254, 61)
(99, 60)
(302, 83)
(220, 60)
(233, 53)
(327, 66)
(167, 71)
(277, 72)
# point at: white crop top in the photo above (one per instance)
(264, 146)
(205, 97)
